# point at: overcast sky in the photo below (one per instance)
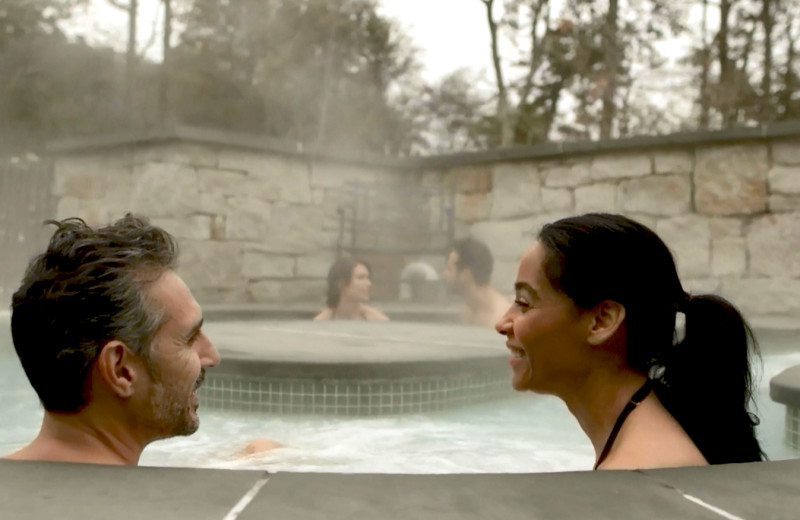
(450, 34)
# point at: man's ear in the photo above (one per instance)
(606, 320)
(117, 368)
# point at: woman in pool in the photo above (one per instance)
(594, 323)
(348, 290)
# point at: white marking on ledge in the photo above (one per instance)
(248, 497)
(715, 509)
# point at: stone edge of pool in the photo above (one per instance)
(31, 490)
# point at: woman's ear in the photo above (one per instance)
(607, 318)
(117, 368)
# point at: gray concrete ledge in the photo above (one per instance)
(178, 132)
(76, 491)
(549, 150)
(209, 136)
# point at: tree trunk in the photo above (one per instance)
(705, 66)
(503, 115)
(728, 88)
(164, 100)
(131, 59)
(788, 75)
(767, 109)
(324, 106)
(611, 65)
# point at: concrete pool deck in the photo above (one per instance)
(32, 490)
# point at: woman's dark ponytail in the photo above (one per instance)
(707, 383)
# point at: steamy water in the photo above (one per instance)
(526, 433)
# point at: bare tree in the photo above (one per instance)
(503, 109)
(611, 65)
(164, 90)
(767, 21)
(704, 57)
(131, 59)
(726, 71)
(786, 107)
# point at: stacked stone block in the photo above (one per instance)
(730, 213)
(253, 226)
(257, 225)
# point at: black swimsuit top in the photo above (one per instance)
(637, 398)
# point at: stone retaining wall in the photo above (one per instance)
(263, 223)
(729, 212)
(254, 225)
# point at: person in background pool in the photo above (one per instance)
(594, 323)
(348, 291)
(468, 274)
(111, 340)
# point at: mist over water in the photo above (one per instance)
(527, 433)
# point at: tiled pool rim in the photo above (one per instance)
(785, 389)
(342, 397)
(352, 368)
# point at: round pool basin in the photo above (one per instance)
(354, 368)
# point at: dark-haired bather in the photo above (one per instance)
(594, 323)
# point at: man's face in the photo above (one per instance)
(179, 355)
(453, 277)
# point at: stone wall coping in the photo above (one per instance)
(549, 150)
(33, 490)
(209, 136)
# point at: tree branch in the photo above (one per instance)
(119, 5)
(536, 54)
(506, 137)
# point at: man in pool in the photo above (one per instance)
(111, 340)
(467, 274)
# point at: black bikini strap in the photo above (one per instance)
(637, 398)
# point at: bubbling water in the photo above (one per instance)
(525, 433)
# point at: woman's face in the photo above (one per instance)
(358, 287)
(545, 331)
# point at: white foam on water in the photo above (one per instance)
(477, 440)
(526, 434)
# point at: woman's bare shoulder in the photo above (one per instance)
(666, 457)
(373, 314)
(324, 314)
(653, 440)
